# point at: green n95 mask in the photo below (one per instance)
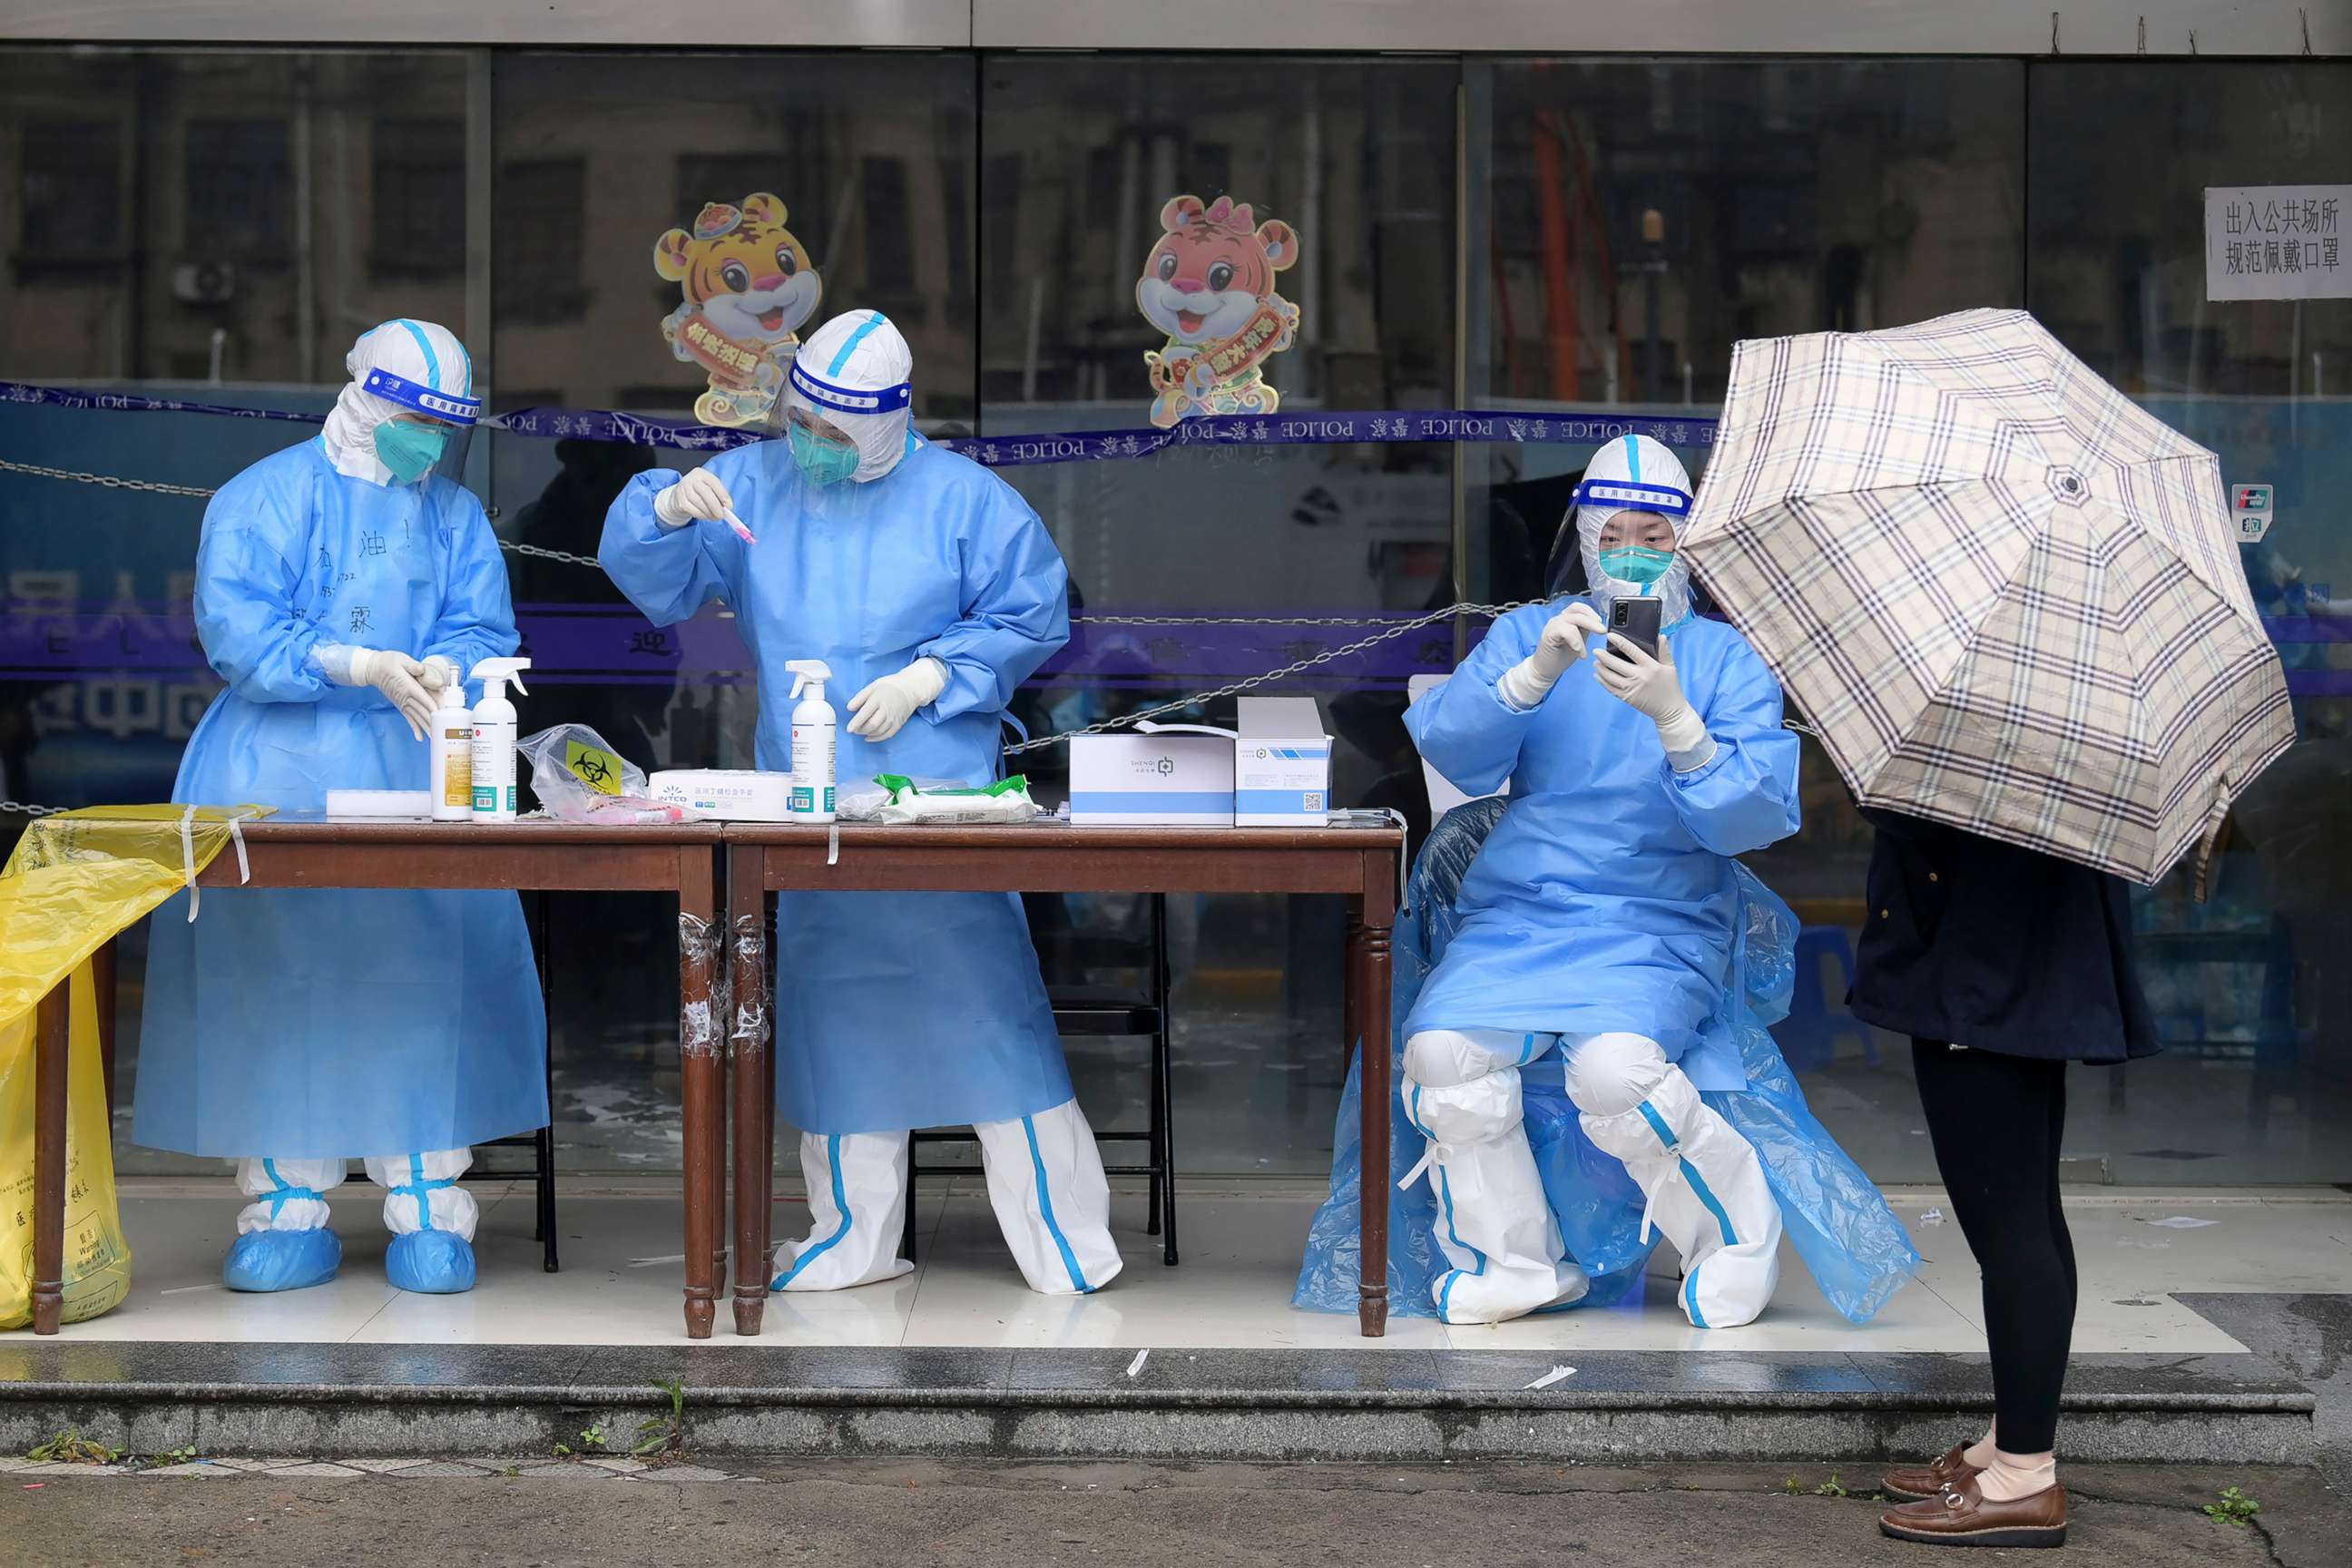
(1636, 563)
(821, 462)
(409, 450)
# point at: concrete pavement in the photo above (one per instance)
(1276, 1515)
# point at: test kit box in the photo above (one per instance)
(728, 795)
(1281, 764)
(1152, 779)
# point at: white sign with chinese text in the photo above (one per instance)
(2277, 242)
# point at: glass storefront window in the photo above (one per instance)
(595, 157)
(2249, 989)
(1588, 234)
(209, 226)
(1357, 158)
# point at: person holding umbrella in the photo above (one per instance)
(2003, 964)
(2010, 603)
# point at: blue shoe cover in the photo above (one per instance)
(282, 1259)
(430, 1262)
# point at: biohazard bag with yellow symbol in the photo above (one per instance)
(76, 880)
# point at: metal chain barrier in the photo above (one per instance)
(114, 482)
(540, 553)
(30, 810)
(110, 482)
(1401, 628)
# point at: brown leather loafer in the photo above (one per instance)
(1961, 1516)
(1920, 1482)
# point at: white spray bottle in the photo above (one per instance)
(814, 739)
(494, 739)
(452, 739)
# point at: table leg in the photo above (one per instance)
(702, 1072)
(50, 1055)
(754, 1122)
(1372, 1179)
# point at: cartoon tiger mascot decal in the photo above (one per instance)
(1209, 285)
(748, 285)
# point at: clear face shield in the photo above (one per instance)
(822, 452)
(431, 433)
(834, 433)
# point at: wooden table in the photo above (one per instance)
(1356, 863)
(297, 850)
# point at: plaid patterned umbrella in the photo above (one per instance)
(2006, 597)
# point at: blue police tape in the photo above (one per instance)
(1319, 429)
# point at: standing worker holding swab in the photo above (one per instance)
(932, 591)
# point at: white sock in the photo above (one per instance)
(2011, 1477)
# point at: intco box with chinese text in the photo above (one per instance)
(1152, 779)
(1282, 764)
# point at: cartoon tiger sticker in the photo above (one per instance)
(1209, 285)
(747, 285)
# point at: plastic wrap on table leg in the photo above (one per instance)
(1329, 1272)
(1851, 1242)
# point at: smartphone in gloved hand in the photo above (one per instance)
(1636, 620)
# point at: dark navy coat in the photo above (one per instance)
(1987, 945)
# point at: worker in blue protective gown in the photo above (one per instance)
(1597, 921)
(931, 591)
(338, 584)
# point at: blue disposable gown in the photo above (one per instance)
(1606, 899)
(325, 1025)
(891, 1010)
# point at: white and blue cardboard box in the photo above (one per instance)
(1156, 779)
(1281, 764)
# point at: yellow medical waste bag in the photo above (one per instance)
(75, 881)
(97, 1258)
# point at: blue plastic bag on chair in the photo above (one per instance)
(1847, 1237)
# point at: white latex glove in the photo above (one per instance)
(398, 677)
(1650, 686)
(699, 494)
(882, 709)
(1527, 683)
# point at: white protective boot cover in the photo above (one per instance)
(858, 1209)
(1045, 1181)
(1495, 1224)
(1705, 1185)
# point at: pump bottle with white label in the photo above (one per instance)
(815, 736)
(453, 749)
(494, 739)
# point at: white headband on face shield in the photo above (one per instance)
(825, 395)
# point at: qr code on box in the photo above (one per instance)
(1314, 801)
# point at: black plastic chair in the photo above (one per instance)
(1110, 1013)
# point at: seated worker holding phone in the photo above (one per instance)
(1598, 922)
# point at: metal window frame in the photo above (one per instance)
(2016, 29)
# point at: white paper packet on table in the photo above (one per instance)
(893, 799)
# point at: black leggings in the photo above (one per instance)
(1996, 1122)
